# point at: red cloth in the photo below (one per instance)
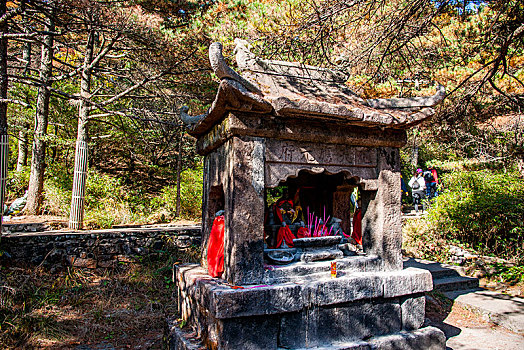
(357, 226)
(303, 232)
(285, 234)
(215, 248)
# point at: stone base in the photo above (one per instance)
(427, 338)
(350, 310)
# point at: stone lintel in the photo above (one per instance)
(267, 126)
(227, 301)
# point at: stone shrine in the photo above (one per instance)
(297, 127)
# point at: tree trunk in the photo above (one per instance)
(76, 218)
(26, 56)
(22, 148)
(178, 171)
(36, 179)
(4, 144)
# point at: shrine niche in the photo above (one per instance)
(301, 214)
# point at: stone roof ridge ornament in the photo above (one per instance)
(223, 71)
(408, 102)
(189, 120)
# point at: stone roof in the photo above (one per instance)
(294, 90)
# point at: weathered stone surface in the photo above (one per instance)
(428, 338)
(181, 338)
(412, 279)
(312, 242)
(339, 323)
(413, 310)
(244, 223)
(242, 124)
(312, 254)
(223, 301)
(89, 250)
(252, 333)
(381, 224)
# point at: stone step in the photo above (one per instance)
(437, 270)
(445, 277)
(446, 284)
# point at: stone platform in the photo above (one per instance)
(359, 310)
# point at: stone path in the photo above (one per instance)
(479, 319)
(503, 310)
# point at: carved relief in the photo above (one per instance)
(286, 158)
(279, 151)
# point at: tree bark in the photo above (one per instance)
(76, 218)
(4, 144)
(22, 148)
(36, 179)
(26, 56)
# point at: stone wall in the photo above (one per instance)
(101, 248)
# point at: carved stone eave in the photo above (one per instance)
(408, 102)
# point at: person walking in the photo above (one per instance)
(418, 187)
(431, 180)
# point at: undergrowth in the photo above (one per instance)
(124, 306)
(109, 201)
(481, 212)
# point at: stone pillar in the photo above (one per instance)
(381, 220)
(215, 177)
(244, 222)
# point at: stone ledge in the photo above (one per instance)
(301, 270)
(226, 301)
(428, 338)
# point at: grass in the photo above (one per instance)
(124, 306)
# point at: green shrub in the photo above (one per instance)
(190, 196)
(105, 202)
(57, 190)
(17, 183)
(420, 242)
(483, 210)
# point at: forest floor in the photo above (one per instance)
(122, 308)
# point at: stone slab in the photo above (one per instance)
(428, 338)
(438, 270)
(227, 301)
(447, 284)
(179, 338)
(347, 322)
(501, 309)
(311, 270)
